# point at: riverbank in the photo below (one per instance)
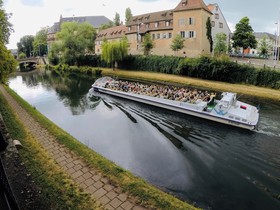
(111, 185)
(265, 93)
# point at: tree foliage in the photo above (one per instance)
(105, 26)
(177, 43)
(75, 40)
(7, 60)
(117, 19)
(265, 47)
(5, 26)
(40, 42)
(147, 44)
(220, 44)
(243, 35)
(209, 33)
(128, 15)
(7, 63)
(115, 51)
(25, 45)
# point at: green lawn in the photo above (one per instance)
(250, 90)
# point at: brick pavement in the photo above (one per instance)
(87, 178)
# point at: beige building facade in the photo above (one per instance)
(188, 20)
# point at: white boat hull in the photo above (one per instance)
(163, 103)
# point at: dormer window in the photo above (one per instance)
(184, 3)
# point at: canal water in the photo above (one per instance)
(210, 165)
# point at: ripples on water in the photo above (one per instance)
(210, 164)
(227, 167)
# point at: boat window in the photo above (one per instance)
(244, 120)
(224, 103)
(237, 118)
(231, 117)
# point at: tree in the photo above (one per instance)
(25, 45)
(117, 20)
(74, 41)
(5, 26)
(220, 44)
(105, 26)
(7, 60)
(264, 47)
(7, 63)
(115, 51)
(147, 44)
(209, 33)
(177, 43)
(40, 42)
(243, 35)
(128, 15)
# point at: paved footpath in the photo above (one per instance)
(87, 178)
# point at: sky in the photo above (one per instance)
(29, 16)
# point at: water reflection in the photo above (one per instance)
(213, 165)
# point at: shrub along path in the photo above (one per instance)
(87, 178)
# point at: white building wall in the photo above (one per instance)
(219, 23)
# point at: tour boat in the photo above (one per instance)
(228, 110)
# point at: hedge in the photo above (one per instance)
(204, 67)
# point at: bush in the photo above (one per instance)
(204, 67)
(154, 63)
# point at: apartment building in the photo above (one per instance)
(188, 19)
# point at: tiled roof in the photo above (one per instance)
(151, 17)
(191, 5)
(211, 7)
(112, 33)
(95, 21)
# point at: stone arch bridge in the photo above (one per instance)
(30, 63)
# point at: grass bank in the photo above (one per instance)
(266, 93)
(57, 189)
(146, 194)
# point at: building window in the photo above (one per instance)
(216, 16)
(164, 36)
(220, 25)
(181, 22)
(213, 23)
(167, 23)
(129, 28)
(192, 34)
(182, 34)
(153, 36)
(147, 25)
(158, 36)
(191, 21)
(169, 35)
(156, 24)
